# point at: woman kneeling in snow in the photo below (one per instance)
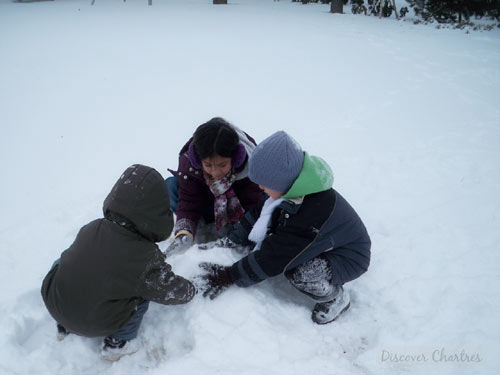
(305, 229)
(210, 188)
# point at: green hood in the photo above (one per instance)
(315, 176)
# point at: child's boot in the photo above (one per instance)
(61, 332)
(314, 279)
(113, 349)
(326, 312)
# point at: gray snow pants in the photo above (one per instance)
(314, 279)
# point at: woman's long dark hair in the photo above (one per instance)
(215, 137)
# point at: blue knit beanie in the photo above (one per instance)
(276, 162)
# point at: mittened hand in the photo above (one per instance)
(217, 279)
(181, 242)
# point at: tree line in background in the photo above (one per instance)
(457, 12)
(452, 11)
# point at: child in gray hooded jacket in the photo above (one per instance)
(103, 283)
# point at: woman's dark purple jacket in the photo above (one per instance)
(196, 199)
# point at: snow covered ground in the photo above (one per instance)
(408, 117)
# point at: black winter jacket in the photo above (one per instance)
(322, 223)
(114, 263)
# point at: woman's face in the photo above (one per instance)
(216, 166)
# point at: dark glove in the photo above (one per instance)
(182, 241)
(217, 279)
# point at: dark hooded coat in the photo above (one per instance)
(114, 263)
(313, 220)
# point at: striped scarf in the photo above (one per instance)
(227, 206)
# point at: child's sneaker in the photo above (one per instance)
(113, 349)
(61, 332)
(326, 312)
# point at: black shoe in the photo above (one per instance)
(113, 349)
(112, 343)
(61, 332)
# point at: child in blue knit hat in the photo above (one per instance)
(305, 229)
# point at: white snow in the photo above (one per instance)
(408, 117)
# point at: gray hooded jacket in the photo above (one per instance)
(114, 263)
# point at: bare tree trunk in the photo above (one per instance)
(337, 6)
(395, 9)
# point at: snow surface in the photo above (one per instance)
(407, 116)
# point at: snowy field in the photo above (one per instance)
(408, 117)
